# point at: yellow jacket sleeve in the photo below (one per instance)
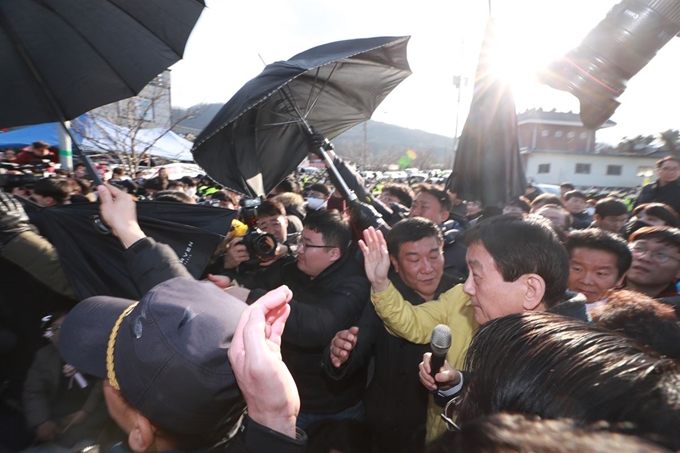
(415, 323)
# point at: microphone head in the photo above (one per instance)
(441, 339)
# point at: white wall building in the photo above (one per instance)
(556, 147)
(588, 169)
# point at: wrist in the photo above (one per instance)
(130, 235)
(281, 424)
(380, 285)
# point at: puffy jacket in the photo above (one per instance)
(321, 307)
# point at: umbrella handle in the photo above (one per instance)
(346, 192)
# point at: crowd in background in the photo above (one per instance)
(562, 309)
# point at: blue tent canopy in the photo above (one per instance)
(103, 135)
(20, 138)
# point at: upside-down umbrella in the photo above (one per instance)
(62, 58)
(487, 165)
(93, 260)
(260, 135)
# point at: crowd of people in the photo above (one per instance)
(562, 313)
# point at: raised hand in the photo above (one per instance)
(119, 211)
(255, 355)
(342, 344)
(376, 258)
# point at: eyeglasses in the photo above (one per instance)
(657, 257)
(451, 412)
(302, 246)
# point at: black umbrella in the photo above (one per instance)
(487, 165)
(93, 260)
(260, 135)
(62, 58)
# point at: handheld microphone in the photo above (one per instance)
(440, 344)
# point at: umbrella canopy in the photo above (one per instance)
(487, 165)
(62, 58)
(94, 263)
(259, 137)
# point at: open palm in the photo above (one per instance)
(376, 258)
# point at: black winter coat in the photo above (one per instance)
(395, 401)
(668, 194)
(320, 308)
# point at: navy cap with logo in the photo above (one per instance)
(167, 354)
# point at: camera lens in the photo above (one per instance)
(597, 72)
(264, 245)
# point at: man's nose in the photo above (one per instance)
(588, 278)
(468, 286)
(426, 267)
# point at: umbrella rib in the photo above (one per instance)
(318, 96)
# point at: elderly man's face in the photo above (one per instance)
(491, 296)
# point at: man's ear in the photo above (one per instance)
(597, 217)
(534, 293)
(335, 254)
(444, 216)
(141, 438)
(395, 263)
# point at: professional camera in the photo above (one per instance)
(261, 246)
(614, 51)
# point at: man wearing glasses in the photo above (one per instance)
(656, 261)
(330, 290)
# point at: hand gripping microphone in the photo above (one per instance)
(440, 344)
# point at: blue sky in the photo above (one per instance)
(232, 39)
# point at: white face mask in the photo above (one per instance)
(316, 203)
(191, 191)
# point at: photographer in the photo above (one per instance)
(271, 219)
(330, 290)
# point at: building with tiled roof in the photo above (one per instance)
(557, 147)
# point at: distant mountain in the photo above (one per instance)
(385, 143)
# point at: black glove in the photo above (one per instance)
(316, 141)
(13, 219)
(366, 216)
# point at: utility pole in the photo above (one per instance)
(364, 152)
(459, 82)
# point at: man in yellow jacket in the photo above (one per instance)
(397, 405)
(516, 265)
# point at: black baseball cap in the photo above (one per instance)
(167, 353)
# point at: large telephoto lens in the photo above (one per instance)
(598, 71)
